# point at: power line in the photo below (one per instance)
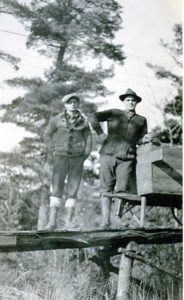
(31, 66)
(130, 55)
(12, 32)
(147, 57)
(19, 53)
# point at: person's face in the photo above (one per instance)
(71, 105)
(130, 103)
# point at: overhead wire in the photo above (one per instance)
(12, 32)
(145, 58)
(133, 56)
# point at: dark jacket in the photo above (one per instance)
(65, 140)
(124, 132)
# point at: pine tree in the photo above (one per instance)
(70, 33)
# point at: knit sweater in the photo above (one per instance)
(68, 136)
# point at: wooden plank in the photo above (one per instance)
(164, 200)
(171, 155)
(153, 199)
(144, 186)
(175, 163)
(143, 171)
(150, 157)
(48, 240)
(8, 241)
(142, 149)
(166, 180)
(160, 171)
(124, 196)
(142, 214)
(150, 147)
(160, 184)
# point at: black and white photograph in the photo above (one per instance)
(91, 150)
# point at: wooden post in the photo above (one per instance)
(125, 272)
(142, 214)
(42, 212)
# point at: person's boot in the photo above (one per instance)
(69, 223)
(117, 213)
(69, 213)
(52, 224)
(106, 209)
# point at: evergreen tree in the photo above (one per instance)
(70, 33)
(172, 133)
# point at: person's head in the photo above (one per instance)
(71, 102)
(130, 100)
(130, 103)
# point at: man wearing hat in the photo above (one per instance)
(68, 137)
(126, 129)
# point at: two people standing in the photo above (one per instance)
(68, 136)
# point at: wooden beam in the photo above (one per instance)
(142, 214)
(125, 274)
(124, 196)
(46, 240)
(153, 199)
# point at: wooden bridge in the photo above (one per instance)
(47, 240)
(159, 183)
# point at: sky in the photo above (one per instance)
(145, 22)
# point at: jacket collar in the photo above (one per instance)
(130, 114)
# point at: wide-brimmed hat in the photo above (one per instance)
(66, 98)
(128, 93)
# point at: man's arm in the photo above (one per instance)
(88, 141)
(101, 116)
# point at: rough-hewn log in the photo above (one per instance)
(47, 240)
(125, 274)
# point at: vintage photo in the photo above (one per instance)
(91, 150)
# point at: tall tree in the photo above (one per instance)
(172, 133)
(78, 36)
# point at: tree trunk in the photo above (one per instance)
(60, 56)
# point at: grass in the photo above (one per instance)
(63, 278)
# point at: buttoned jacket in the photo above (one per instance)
(124, 132)
(65, 140)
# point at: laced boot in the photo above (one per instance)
(52, 224)
(69, 223)
(106, 208)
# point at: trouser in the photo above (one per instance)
(115, 174)
(63, 167)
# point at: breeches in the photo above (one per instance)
(63, 167)
(116, 175)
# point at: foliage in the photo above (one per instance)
(14, 61)
(37, 276)
(69, 33)
(172, 133)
